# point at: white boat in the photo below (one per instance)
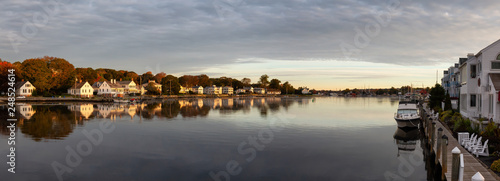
(120, 100)
(407, 114)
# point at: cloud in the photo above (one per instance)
(188, 35)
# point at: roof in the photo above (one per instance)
(117, 85)
(273, 90)
(197, 87)
(489, 46)
(20, 84)
(495, 78)
(78, 85)
(125, 82)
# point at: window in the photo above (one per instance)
(473, 100)
(495, 65)
(498, 57)
(473, 71)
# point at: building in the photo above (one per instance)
(305, 91)
(214, 90)
(110, 89)
(82, 89)
(259, 90)
(248, 89)
(197, 89)
(227, 90)
(273, 92)
(129, 86)
(158, 86)
(480, 84)
(240, 91)
(24, 88)
(450, 81)
(183, 90)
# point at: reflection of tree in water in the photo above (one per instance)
(50, 122)
(286, 103)
(149, 111)
(194, 111)
(170, 109)
(3, 121)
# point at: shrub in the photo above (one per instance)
(445, 115)
(489, 131)
(495, 166)
(462, 125)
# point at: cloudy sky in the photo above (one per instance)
(334, 44)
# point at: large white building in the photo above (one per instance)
(82, 89)
(24, 88)
(480, 84)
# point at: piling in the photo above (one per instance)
(455, 164)
(444, 155)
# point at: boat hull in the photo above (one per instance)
(408, 123)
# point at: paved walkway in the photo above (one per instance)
(471, 164)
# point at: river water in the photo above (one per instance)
(319, 138)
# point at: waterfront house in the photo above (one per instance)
(212, 90)
(129, 86)
(227, 90)
(259, 90)
(158, 86)
(248, 89)
(305, 91)
(82, 89)
(24, 88)
(480, 84)
(273, 92)
(183, 90)
(239, 91)
(197, 89)
(111, 89)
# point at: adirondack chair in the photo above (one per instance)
(478, 143)
(462, 136)
(470, 143)
(467, 140)
(482, 150)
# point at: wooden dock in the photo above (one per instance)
(471, 164)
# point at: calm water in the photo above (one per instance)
(239, 139)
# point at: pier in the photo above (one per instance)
(439, 139)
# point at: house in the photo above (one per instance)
(129, 86)
(110, 89)
(248, 89)
(240, 91)
(259, 90)
(227, 90)
(480, 84)
(273, 91)
(183, 90)
(82, 89)
(305, 91)
(24, 88)
(158, 86)
(197, 89)
(212, 90)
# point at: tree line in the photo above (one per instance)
(53, 76)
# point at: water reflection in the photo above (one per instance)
(49, 121)
(406, 139)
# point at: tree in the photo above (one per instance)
(447, 102)
(437, 96)
(159, 76)
(393, 91)
(63, 74)
(246, 81)
(264, 82)
(37, 71)
(152, 90)
(237, 84)
(275, 84)
(204, 80)
(170, 82)
(287, 88)
(4, 72)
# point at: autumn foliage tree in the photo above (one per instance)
(4, 67)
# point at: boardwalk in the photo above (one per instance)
(471, 164)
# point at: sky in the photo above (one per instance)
(334, 44)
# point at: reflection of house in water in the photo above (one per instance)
(213, 103)
(85, 110)
(228, 103)
(259, 102)
(131, 110)
(26, 110)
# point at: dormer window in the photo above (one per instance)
(498, 57)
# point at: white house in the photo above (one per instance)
(259, 90)
(24, 88)
(273, 92)
(305, 91)
(183, 90)
(480, 84)
(129, 86)
(82, 89)
(212, 90)
(197, 89)
(248, 89)
(238, 91)
(227, 90)
(111, 89)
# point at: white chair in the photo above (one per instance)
(467, 140)
(470, 143)
(462, 136)
(482, 150)
(476, 144)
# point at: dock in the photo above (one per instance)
(471, 164)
